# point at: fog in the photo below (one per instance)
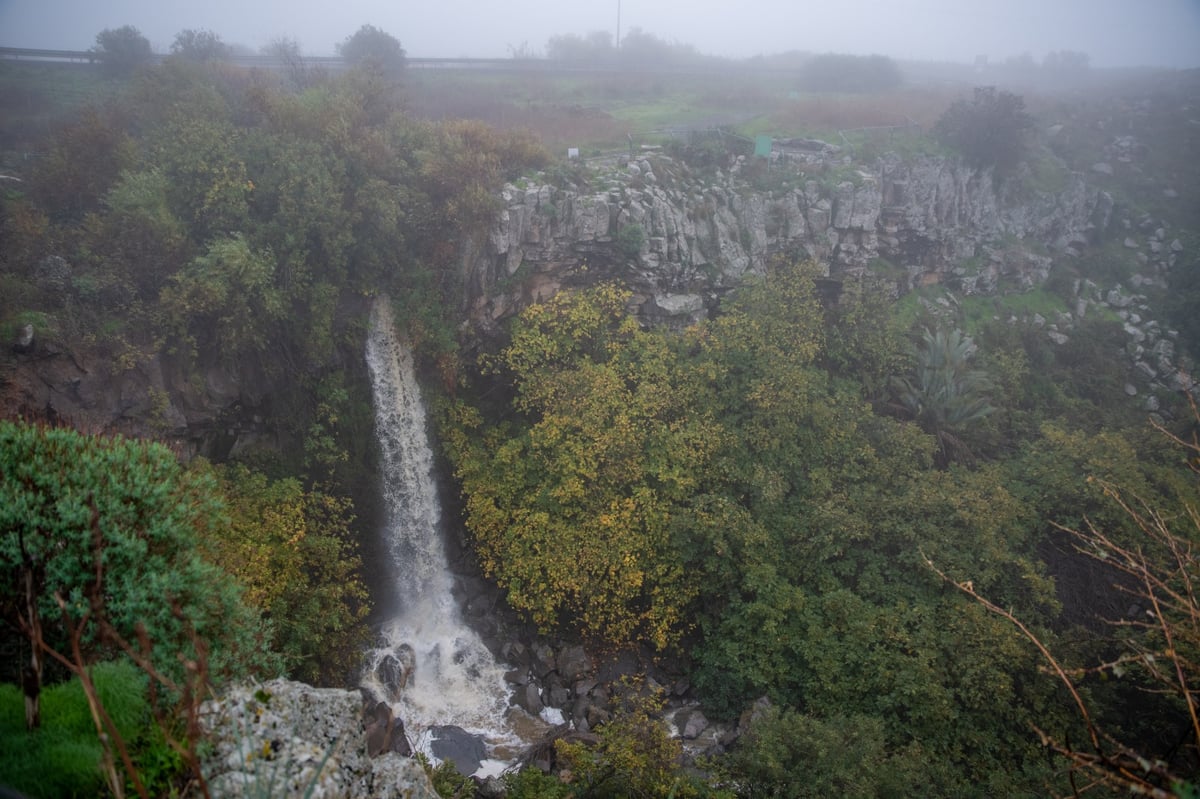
(1162, 33)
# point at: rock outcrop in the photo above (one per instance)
(678, 239)
(303, 741)
(136, 392)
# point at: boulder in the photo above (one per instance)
(396, 777)
(528, 697)
(555, 693)
(384, 732)
(574, 663)
(691, 723)
(543, 661)
(303, 741)
(517, 676)
(466, 750)
(53, 274)
(394, 671)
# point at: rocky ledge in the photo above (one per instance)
(290, 739)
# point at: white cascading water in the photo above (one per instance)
(449, 676)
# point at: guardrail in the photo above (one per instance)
(34, 54)
(493, 64)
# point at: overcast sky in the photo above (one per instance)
(1112, 32)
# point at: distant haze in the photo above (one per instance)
(1112, 32)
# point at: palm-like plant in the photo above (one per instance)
(944, 394)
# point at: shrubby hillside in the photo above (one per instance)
(871, 522)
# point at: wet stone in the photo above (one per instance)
(465, 749)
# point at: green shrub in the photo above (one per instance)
(1181, 304)
(630, 239)
(533, 783)
(788, 754)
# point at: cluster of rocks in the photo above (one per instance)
(288, 738)
(1122, 149)
(560, 680)
(1157, 367)
(699, 235)
(1150, 347)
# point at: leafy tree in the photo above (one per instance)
(370, 45)
(806, 549)
(293, 552)
(122, 50)
(83, 161)
(640, 47)
(943, 394)
(287, 52)
(596, 46)
(226, 301)
(68, 499)
(1157, 645)
(208, 186)
(464, 162)
(139, 241)
(989, 130)
(862, 343)
(571, 507)
(789, 754)
(201, 46)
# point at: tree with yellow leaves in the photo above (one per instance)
(571, 505)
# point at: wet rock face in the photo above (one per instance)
(145, 394)
(681, 238)
(394, 671)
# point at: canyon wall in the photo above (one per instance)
(679, 238)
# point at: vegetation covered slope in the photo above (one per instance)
(759, 495)
(726, 493)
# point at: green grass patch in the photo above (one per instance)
(43, 325)
(977, 311)
(972, 313)
(1047, 174)
(62, 758)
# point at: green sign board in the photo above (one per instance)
(762, 146)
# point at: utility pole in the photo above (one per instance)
(618, 25)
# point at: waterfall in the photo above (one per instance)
(432, 667)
